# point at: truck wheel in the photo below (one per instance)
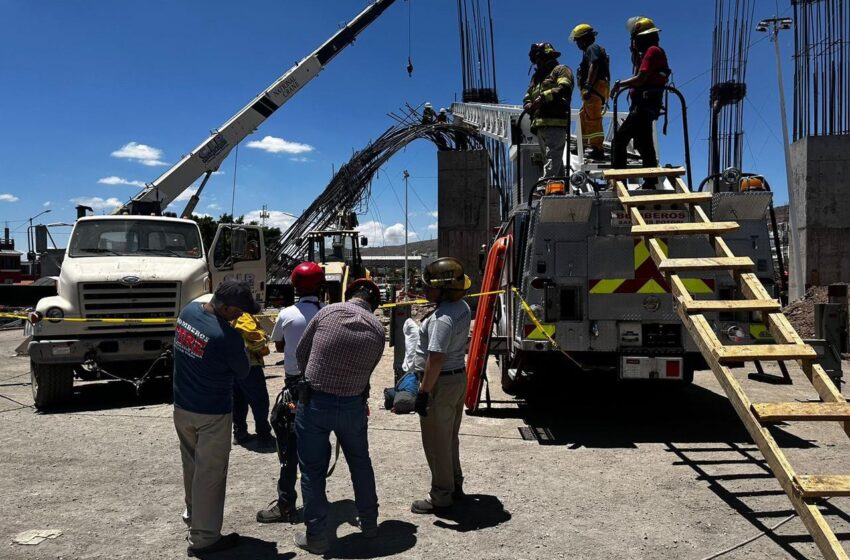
(511, 384)
(51, 384)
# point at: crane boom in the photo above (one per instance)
(208, 156)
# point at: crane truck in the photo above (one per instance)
(126, 276)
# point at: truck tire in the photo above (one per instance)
(52, 384)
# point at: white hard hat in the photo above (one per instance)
(428, 105)
(442, 109)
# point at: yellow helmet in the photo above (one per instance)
(641, 25)
(580, 31)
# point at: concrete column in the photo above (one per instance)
(821, 168)
(463, 180)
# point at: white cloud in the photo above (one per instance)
(274, 218)
(299, 159)
(97, 203)
(434, 214)
(8, 198)
(394, 235)
(213, 206)
(274, 145)
(46, 204)
(432, 227)
(113, 180)
(380, 234)
(140, 153)
(218, 172)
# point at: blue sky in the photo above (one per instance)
(102, 92)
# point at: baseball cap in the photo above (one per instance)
(237, 294)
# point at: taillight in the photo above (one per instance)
(556, 187)
(673, 369)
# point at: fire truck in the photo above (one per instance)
(580, 292)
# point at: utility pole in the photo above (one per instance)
(406, 176)
(264, 214)
(797, 284)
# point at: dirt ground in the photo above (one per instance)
(593, 470)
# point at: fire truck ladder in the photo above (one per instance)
(804, 491)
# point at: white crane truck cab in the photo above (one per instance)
(123, 282)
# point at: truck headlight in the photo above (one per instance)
(54, 314)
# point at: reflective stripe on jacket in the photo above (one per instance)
(554, 84)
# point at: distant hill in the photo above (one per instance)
(414, 248)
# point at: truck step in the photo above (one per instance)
(814, 412)
(720, 305)
(707, 263)
(673, 198)
(712, 228)
(823, 486)
(766, 352)
(638, 172)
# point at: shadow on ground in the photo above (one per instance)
(473, 513)
(394, 537)
(604, 413)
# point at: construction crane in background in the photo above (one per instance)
(208, 156)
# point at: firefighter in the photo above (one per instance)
(440, 365)
(646, 95)
(548, 104)
(594, 76)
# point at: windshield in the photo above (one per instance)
(333, 248)
(135, 237)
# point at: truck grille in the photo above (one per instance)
(146, 300)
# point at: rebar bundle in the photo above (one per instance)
(821, 68)
(730, 45)
(349, 187)
(477, 51)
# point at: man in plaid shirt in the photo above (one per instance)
(337, 355)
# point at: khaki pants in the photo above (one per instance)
(591, 113)
(440, 437)
(205, 451)
(552, 141)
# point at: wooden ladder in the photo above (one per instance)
(804, 491)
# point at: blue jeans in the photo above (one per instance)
(251, 391)
(346, 417)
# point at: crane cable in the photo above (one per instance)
(409, 39)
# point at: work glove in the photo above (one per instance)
(421, 406)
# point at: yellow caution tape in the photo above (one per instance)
(544, 329)
(149, 321)
(425, 301)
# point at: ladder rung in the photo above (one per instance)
(673, 198)
(711, 228)
(823, 486)
(815, 412)
(766, 352)
(720, 305)
(707, 263)
(637, 172)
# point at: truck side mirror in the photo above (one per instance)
(364, 241)
(40, 239)
(238, 243)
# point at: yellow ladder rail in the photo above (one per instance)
(804, 491)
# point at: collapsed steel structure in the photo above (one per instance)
(821, 68)
(350, 186)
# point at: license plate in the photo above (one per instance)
(61, 350)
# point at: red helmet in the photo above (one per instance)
(307, 277)
(374, 291)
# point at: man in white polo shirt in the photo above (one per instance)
(307, 279)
